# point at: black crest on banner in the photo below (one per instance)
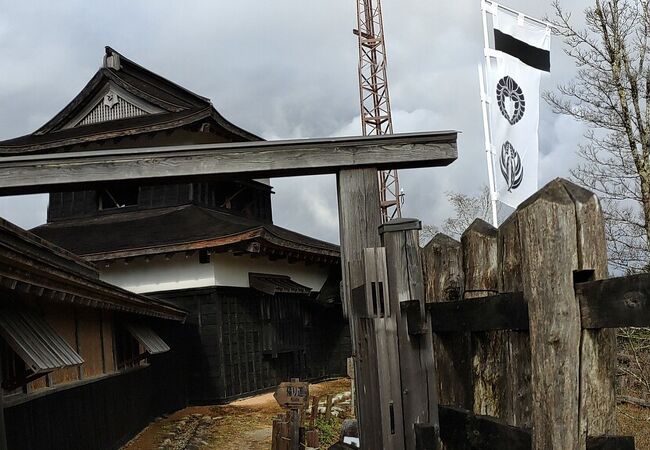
(508, 89)
(511, 167)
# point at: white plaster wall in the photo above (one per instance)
(160, 274)
(230, 270)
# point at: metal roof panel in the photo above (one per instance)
(151, 342)
(35, 341)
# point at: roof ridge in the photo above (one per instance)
(110, 51)
(110, 217)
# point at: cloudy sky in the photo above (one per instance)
(281, 69)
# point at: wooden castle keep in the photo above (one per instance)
(247, 304)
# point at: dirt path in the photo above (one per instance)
(246, 424)
(240, 425)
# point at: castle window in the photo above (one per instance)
(118, 197)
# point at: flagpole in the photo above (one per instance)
(517, 13)
(486, 123)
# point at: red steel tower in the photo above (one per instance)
(376, 116)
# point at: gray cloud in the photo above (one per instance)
(282, 69)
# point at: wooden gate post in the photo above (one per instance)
(359, 221)
(416, 359)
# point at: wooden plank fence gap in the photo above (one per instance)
(479, 244)
(444, 279)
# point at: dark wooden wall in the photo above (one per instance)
(248, 199)
(229, 340)
(101, 414)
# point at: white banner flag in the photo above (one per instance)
(521, 54)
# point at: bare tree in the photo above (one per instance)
(467, 208)
(610, 93)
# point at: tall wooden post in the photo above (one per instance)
(416, 358)
(548, 236)
(359, 221)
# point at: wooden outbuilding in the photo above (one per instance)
(84, 363)
(263, 302)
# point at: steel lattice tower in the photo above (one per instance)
(376, 116)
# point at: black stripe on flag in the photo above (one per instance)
(528, 54)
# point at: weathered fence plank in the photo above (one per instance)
(548, 233)
(417, 368)
(443, 277)
(598, 352)
(518, 395)
(479, 243)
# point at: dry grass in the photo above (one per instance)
(634, 421)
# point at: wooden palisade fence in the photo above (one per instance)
(522, 330)
(520, 322)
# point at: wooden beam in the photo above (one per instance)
(615, 302)
(464, 430)
(461, 429)
(45, 173)
(610, 303)
(497, 312)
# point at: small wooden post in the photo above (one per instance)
(479, 244)
(328, 407)
(312, 440)
(314, 410)
(548, 233)
(294, 424)
(350, 370)
(442, 258)
(416, 360)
